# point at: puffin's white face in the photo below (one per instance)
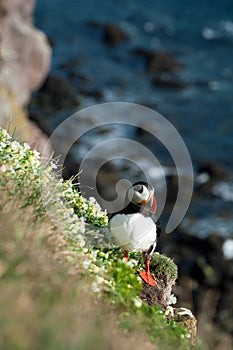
(139, 194)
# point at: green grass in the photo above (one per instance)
(58, 290)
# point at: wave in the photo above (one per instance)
(220, 30)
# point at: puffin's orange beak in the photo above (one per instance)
(154, 205)
(151, 204)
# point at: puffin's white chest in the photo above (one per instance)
(133, 232)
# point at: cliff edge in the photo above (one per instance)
(25, 56)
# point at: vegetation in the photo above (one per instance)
(59, 289)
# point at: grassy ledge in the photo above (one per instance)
(62, 288)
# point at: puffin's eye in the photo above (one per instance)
(139, 188)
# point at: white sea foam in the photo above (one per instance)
(204, 227)
(224, 190)
(227, 248)
(202, 178)
(227, 26)
(210, 34)
(222, 29)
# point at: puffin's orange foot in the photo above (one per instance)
(148, 279)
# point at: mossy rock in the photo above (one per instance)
(186, 319)
(163, 268)
(164, 271)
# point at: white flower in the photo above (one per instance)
(132, 262)
(102, 269)
(82, 229)
(70, 211)
(37, 155)
(99, 279)
(94, 253)
(95, 288)
(4, 167)
(12, 169)
(85, 206)
(21, 153)
(81, 242)
(172, 300)
(95, 268)
(14, 145)
(108, 283)
(137, 302)
(26, 146)
(92, 200)
(169, 310)
(86, 264)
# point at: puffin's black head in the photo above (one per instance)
(141, 194)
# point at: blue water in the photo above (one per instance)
(198, 33)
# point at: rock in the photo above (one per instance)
(114, 35)
(23, 128)
(57, 93)
(25, 53)
(224, 309)
(158, 61)
(24, 63)
(82, 77)
(96, 93)
(164, 271)
(169, 83)
(70, 64)
(208, 174)
(54, 99)
(152, 295)
(161, 62)
(213, 170)
(72, 70)
(185, 318)
(202, 269)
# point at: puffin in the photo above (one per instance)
(134, 227)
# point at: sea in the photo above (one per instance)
(199, 35)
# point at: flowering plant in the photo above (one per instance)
(24, 175)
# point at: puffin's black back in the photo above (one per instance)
(130, 208)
